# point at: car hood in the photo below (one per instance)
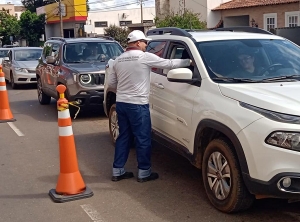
(27, 64)
(279, 97)
(87, 67)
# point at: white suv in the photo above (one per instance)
(235, 114)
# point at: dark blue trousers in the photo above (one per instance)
(134, 122)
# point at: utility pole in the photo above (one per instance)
(142, 11)
(60, 19)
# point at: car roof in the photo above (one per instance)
(74, 40)
(22, 48)
(228, 35)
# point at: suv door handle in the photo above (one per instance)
(159, 85)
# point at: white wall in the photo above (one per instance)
(203, 7)
(114, 17)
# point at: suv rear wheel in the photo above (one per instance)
(222, 178)
(42, 97)
(113, 123)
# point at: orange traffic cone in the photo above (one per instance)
(5, 113)
(70, 185)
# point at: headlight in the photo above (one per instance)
(288, 140)
(85, 79)
(21, 69)
(279, 117)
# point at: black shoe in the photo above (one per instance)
(153, 176)
(126, 175)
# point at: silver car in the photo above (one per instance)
(20, 64)
(3, 54)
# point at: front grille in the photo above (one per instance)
(99, 78)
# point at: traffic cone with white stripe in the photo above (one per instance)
(70, 185)
(5, 112)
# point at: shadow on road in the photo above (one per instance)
(179, 187)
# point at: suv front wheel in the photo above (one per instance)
(222, 178)
(42, 97)
(113, 123)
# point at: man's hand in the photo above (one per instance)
(191, 62)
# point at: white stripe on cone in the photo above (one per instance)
(2, 79)
(2, 88)
(65, 131)
(64, 114)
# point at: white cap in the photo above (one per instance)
(136, 35)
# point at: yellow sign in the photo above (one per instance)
(72, 10)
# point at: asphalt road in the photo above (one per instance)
(29, 166)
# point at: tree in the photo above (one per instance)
(9, 26)
(184, 20)
(118, 33)
(32, 5)
(32, 26)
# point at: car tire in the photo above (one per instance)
(12, 81)
(42, 97)
(113, 123)
(222, 178)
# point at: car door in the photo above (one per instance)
(173, 103)
(53, 69)
(6, 65)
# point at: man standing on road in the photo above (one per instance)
(131, 79)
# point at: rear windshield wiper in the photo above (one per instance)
(281, 78)
(228, 79)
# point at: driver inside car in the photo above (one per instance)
(246, 59)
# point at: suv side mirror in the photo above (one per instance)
(50, 60)
(180, 75)
(6, 59)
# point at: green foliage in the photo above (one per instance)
(31, 5)
(118, 33)
(185, 20)
(32, 27)
(9, 26)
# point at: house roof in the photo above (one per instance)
(234, 4)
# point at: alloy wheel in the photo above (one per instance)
(114, 125)
(218, 175)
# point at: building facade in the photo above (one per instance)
(98, 21)
(203, 7)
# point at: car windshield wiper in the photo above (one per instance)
(228, 79)
(281, 78)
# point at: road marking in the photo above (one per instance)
(92, 213)
(14, 128)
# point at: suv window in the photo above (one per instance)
(47, 50)
(254, 59)
(156, 47)
(3, 53)
(91, 51)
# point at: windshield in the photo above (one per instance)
(251, 59)
(3, 53)
(28, 54)
(91, 51)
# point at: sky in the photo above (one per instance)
(105, 4)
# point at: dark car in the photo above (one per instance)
(79, 64)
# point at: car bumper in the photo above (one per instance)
(266, 161)
(88, 98)
(24, 78)
(274, 188)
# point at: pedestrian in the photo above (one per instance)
(131, 79)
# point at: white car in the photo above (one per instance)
(20, 64)
(3, 54)
(235, 115)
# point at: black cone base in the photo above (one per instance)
(57, 198)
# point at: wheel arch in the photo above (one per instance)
(110, 100)
(207, 130)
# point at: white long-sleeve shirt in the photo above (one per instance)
(130, 74)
